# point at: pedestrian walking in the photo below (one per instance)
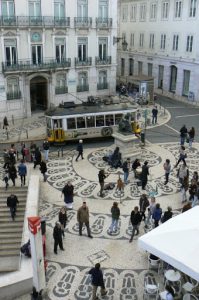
(12, 202)
(184, 188)
(12, 154)
(6, 158)
(115, 214)
(68, 192)
(183, 135)
(191, 136)
(12, 171)
(154, 115)
(182, 156)
(37, 157)
(101, 177)
(23, 147)
(33, 148)
(5, 123)
(144, 175)
(97, 281)
(46, 147)
(83, 218)
(157, 213)
(80, 150)
(6, 178)
(167, 170)
(136, 164)
(151, 208)
(120, 185)
(126, 169)
(22, 170)
(182, 173)
(167, 215)
(143, 203)
(57, 235)
(43, 169)
(63, 219)
(135, 221)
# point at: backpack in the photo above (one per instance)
(25, 249)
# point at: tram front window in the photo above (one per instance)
(57, 123)
(90, 121)
(109, 120)
(81, 122)
(99, 121)
(71, 123)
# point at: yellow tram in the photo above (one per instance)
(87, 121)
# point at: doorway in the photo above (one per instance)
(173, 79)
(39, 93)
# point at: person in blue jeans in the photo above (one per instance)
(22, 170)
(126, 168)
(115, 212)
(157, 213)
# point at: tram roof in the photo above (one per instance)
(89, 109)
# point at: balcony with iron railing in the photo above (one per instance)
(83, 63)
(13, 95)
(104, 23)
(61, 90)
(28, 21)
(100, 61)
(83, 88)
(29, 65)
(82, 22)
(102, 86)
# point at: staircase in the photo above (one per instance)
(11, 231)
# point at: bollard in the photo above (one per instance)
(13, 122)
(27, 133)
(7, 134)
(62, 152)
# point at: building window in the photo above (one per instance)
(175, 42)
(165, 10)
(103, 9)
(37, 57)
(82, 49)
(124, 13)
(151, 41)
(150, 69)
(60, 50)
(192, 11)
(141, 42)
(103, 46)
(34, 8)
(82, 8)
(186, 80)
(122, 66)
(8, 9)
(61, 84)
(131, 66)
(173, 78)
(102, 80)
(160, 76)
(132, 40)
(153, 11)
(142, 12)
(83, 80)
(178, 9)
(140, 66)
(10, 51)
(133, 12)
(13, 90)
(163, 41)
(59, 9)
(189, 43)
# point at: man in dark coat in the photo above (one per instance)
(144, 174)
(68, 192)
(37, 158)
(43, 169)
(135, 221)
(80, 150)
(183, 135)
(101, 177)
(97, 280)
(154, 115)
(143, 203)
(12, 202)
(57, 235)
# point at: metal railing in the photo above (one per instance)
(86, 62)
(102, 86)
(104, 23)
(102, 61)
(82, 22)
(29, 21)
(28, 65)
(83, 88)
(13, 95)
(61, 90)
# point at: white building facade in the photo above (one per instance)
(163, 38)
(54, 51)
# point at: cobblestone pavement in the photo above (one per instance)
(125, 266)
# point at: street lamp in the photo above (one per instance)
(124, 42)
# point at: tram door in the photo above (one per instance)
(58, 131)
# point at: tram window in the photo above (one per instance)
(118, 117)
(81, 122)
(90, 121)
(48, 123)
(109, 120)
(71, 123)
(99, 121)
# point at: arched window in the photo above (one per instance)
(13, 90)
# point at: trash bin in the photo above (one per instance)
(43, 225)
(142, 136)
